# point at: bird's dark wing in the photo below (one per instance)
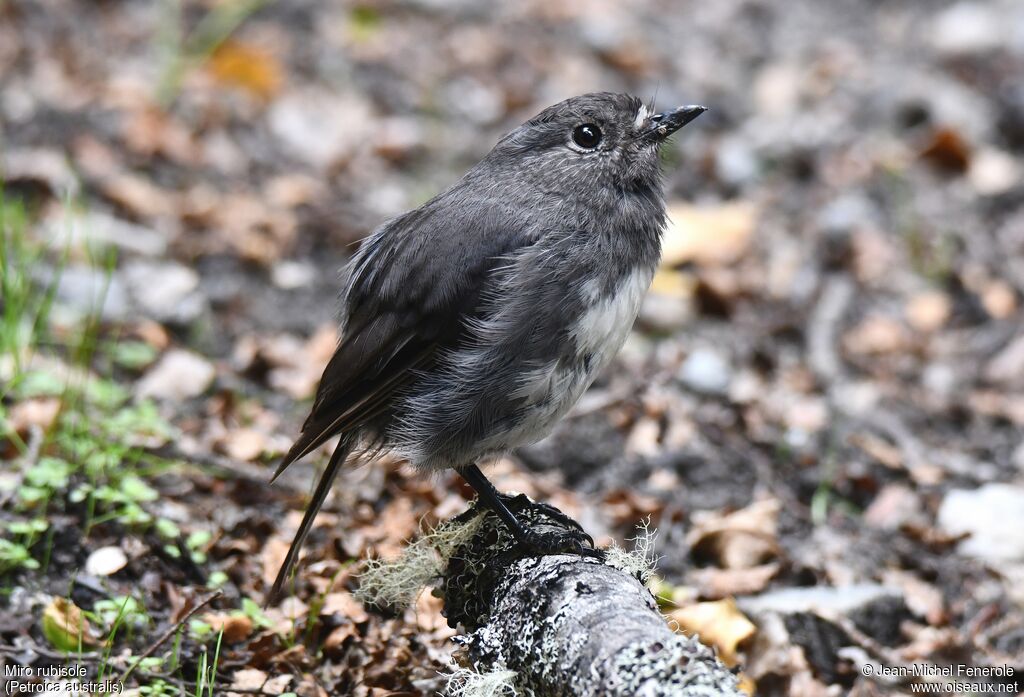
(412, 286)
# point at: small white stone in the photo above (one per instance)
(966, 28)
(179, 375)
(319, 127)
(993, 516)
(841, 599)
(105, 561)
(165, 291)
(289, 275)
(994, 172)
(704, 370)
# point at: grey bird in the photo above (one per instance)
(473, 323)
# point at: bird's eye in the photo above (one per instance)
(586, 136)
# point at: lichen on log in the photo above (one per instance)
(568, 625)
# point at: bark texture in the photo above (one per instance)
(568, 625)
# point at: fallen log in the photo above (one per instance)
(562, 624)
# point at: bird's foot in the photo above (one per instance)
(572, 539)
(558, 542)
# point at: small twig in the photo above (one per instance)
(169, 633)
(220, 465)
(822, 353)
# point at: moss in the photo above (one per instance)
(465, 682)
(640, 561)
(398, 583)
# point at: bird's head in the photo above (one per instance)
(603, 140)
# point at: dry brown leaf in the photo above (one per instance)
(242, 65)
(65, 626)
(293, 656)
(257, 231)
(928, 310)
(1007, 366)
(272, 556)
(249, 679)
(139, 195)
(342, 603)
(310, 687)
(278, 684)
(396, 524)
(244, 443)
(338, 635)
(886, 453)
(150, 131)
(711, 235)
(293, 190)
(894, 505)
(876, 335)
(235, 627)
(771, 652)
(715, 583)
(999, 299)
(39, 413)
(922, 598)
(153, 333)
(740, 540)
(428, 617)
(627, 507)
(719, 624)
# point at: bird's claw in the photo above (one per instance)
(572, 540)
(556, 542)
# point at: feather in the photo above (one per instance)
(319, 496)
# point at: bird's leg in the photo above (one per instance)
(571, 541)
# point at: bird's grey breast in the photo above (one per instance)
(594, 335)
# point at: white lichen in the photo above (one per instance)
(464, 682)
(641, 560)
(398, 583)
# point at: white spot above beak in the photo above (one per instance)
(641, 116)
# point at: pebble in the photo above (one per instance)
(1007, 366)
(81, 288)
(105, 561)
(735, 162)
(665, 313)
(318, 127)
(179, 375)
(940, 378)
(290, 274)
(993, 516)
(706, 371)
(479, 102)
(79, 230)
(841, 600)
(165, 291)
(967, 28)
(846, 213)
(993, 172)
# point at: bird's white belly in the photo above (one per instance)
(551, 391)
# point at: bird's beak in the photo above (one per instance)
(668, 122)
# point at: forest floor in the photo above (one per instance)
(820, 410)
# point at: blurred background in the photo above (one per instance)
(821, 408)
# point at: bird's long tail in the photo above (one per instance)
(338, 458)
